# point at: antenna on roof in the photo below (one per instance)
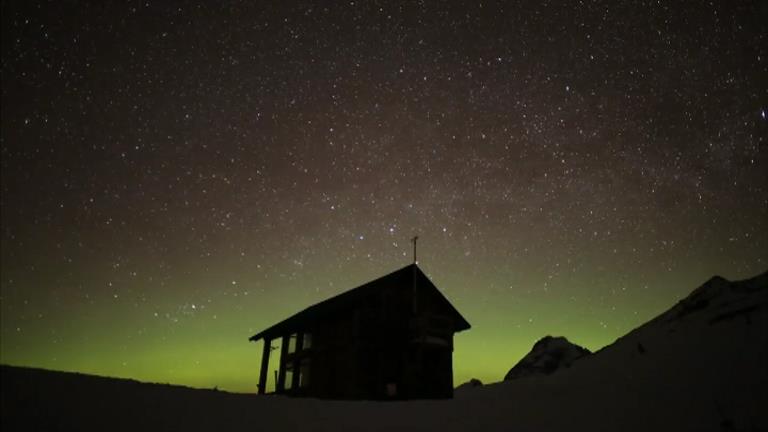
(415, 300)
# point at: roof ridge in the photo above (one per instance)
(309, 309)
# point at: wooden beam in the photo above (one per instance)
(280, 386)
(264, 366)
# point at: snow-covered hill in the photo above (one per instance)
(701, 366)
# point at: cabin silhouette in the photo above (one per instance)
(391, 338)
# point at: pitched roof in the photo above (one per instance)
(402, 277)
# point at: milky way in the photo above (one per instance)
(178, 177)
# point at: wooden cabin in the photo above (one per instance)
(391, 338)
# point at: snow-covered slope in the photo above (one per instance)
(701, 366)
(548, 355)
(471, 384)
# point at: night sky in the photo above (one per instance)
(179, 176)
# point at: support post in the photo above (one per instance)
(264, 366)
(297, 362)
(280, 386)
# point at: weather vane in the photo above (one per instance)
(414, 248)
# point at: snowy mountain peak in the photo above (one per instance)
(548, 355)
(718, 296)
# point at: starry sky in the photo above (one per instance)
(177, 176)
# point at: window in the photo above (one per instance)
(307, 341)
(304, 373)
(288, 383)
(292, 343)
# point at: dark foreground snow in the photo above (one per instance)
(701, 366)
